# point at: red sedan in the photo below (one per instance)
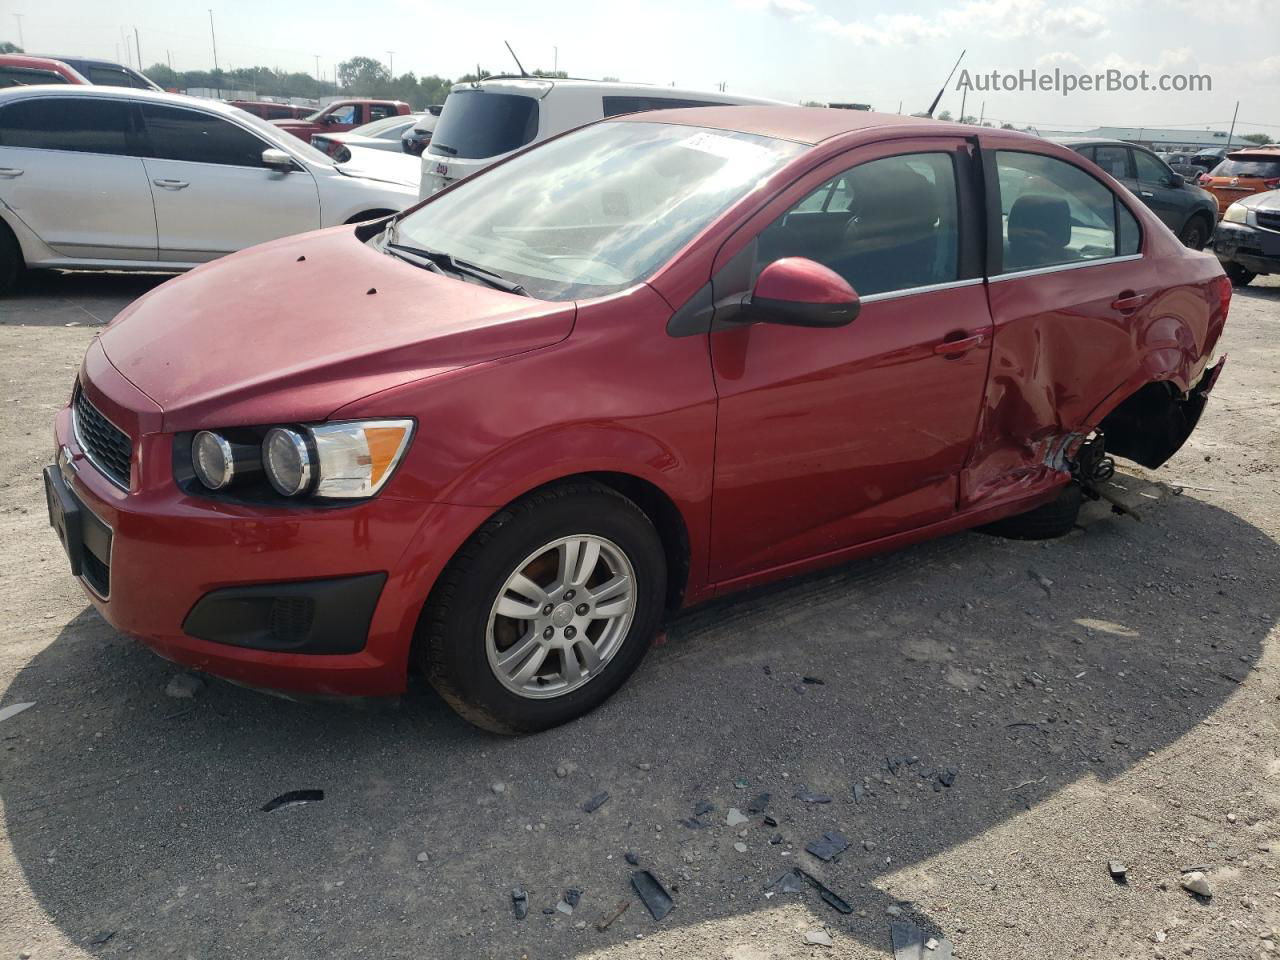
(502, 435)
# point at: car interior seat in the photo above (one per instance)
(1039, 231)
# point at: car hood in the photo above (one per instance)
(1267, 200)
(294, 329)
(382, 165)
(286, 122)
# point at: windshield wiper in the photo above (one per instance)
(440, 260)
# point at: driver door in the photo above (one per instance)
(212, 193)
(827, 438)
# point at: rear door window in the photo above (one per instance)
(110, 77)
(82, 125)
(380, 111)
(476, 124)
(1054, 214)
(1114, 160)
(195, 137)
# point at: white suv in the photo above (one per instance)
(486, 120)
(95, 177)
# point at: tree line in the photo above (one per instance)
(357, 77)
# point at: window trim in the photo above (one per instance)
(995, 232)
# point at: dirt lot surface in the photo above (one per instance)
(1109, 696)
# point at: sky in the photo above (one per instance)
(871, 52)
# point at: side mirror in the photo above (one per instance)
(1175, 181)
(801, 293)
(277, 160)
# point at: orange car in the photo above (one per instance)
(1243, 172)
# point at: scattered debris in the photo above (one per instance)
(775, 839)
(499, 787)
(565, 908)
(948, 776)
(769, 821)
(1025, 783)
(813, 681)
(741, 783)
(910, 943)
(101, 937)
(294, 798)
(572, 896)
(740, 847)
(693, 823)
(893, 910)
(423, 857)
(596, 802)
(789, 882)
(562, 772)
(703, 807)
(520, 903)
(13, 709)
(603, 923)
(758, 804)
(631, 858)
(805, 795)
(817, 937)
(829, 846)
(1119, 872)
(1044, 582)
(735, 817)
(859, 791)
(833, 899)
(184, 686)
(1197, 883)
(652, 894)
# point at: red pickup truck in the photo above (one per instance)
(342, 115)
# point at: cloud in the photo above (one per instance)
(786, 9)
(1002, 19)
(1265, 71)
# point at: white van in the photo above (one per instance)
(486, 120)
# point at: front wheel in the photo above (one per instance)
(1238, 275)
(546, 610)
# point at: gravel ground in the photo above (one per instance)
(1109, 696)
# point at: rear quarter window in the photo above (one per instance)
(25, 76)
(615, 106)
(79, 125)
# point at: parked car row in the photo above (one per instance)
(1185, 209)
(655, 360)
(103, 177)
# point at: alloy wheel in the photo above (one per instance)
(560, 616)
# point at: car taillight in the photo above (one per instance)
(1205, 180)
(1272, 184)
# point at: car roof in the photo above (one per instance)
(1259, 153)
(127, 93)
(539, 87)
(809, 125)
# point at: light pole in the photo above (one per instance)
(555, 60)
(317, 56)
(22, 43)
(391, 63)
(214, 38)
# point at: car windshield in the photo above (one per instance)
(595, 212)
(1264, 167)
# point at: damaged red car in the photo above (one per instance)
(500, 437)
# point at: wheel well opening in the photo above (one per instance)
(1151, 424)
(666, 518)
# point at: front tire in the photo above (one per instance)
(11, 262)
(546, 610)
(1238, 275)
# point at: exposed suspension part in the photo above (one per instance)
(1092, 468)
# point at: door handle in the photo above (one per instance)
(1128, 301)
(171, 184)
(962, 345)
(1144, 193)
(10, 172)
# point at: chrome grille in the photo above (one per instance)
(1268, 219)
(106, 445)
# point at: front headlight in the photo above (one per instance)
(329, 461)
(1236, 213)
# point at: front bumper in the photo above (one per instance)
(1254, 249)
(188, 576)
